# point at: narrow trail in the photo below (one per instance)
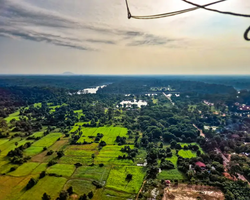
(137, 196)
(201, 133)
(169, 98)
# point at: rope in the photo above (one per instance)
(197, 6)
(246, 33)
(218, 11)
(169, 14)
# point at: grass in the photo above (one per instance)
(82, 154)
(39, 169)
(47, 140)
(5, 165)
(110, 133)
(173, 159)
(115, 195)
(73, 160)
(38, 134)
(53, 108)
(141, 156)
(10, 145)
(109, 155)
(79, 112)
(155, 101)
(32, 151)
(187, 153)
(92, 173)
(191, 108)
(11, 187)
(36, 105)
(117, 179)
(14, 115)
(193, 143)
(80, 186)
(172, 174)
(78, 152)
(25, 169)
(2, 141)
(49, 184)
(61, 170)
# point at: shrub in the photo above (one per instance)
(50, 152)
(52, 162)
(46, 196)
(97, 184)
(90, 195)
(31, 183)
(42, 174)
(13, 169)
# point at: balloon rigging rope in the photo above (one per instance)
(197, 6)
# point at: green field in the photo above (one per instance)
(32, 151)
(92, 173)
(117, 179)
(191, 108)
(116, 195)
(24, 169)
(109, 155)
(61, 170)
(36, 105)
(14, 115)
(187, 153)
(49, 184)
(110, 133)
(3, 140)
(80, 186)
(172, 174)
(47, 140)
(38, 134)
(64, 174)
(11, 145)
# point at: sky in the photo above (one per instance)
(96, 37)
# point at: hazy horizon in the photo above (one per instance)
(86, 37)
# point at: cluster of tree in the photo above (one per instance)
(166, 164)
(131, 153)
(98, 137)
(4, 128)
(139, 85)
(120, 140)
(102, 144)
(85, 197)
(16, 156)
(64, 194)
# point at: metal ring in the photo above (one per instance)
(246, 34)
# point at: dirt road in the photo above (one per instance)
(201, 133)
(169, 98)
(140, 189)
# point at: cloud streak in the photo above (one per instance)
(20, 19)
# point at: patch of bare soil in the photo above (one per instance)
(73, 197)
(193, 192)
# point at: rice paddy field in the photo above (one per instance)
(94, 164)
(112, 175)
(110, 133)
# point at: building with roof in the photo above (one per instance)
(200, 164)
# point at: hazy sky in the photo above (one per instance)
(95, 37)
